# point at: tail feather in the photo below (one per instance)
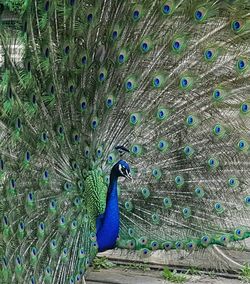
(169, 81)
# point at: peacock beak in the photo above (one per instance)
(128, 175)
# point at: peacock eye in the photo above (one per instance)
(123, 170)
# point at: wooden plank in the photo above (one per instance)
(119, 276)
(128, 276)
(206, 260)
(214, 258)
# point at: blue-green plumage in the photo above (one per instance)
(167, 80)
(107, 224)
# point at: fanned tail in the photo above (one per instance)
(168, 80)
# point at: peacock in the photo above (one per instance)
(124, 124)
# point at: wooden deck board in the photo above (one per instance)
(172, 259)
(213, 258)
(129, 276)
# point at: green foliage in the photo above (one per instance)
(212, 274)
(245, 273)
(194, 271)
(13, 5)
(102, 263)
(173, 276)
(138, 266)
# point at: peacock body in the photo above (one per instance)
(167, 80)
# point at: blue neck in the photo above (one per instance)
(107, 224)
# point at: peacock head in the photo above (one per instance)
(121, 169)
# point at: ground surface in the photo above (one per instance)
(132, 276)
(132, 270)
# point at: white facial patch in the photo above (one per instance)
(120, 168)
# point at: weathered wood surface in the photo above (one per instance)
(120, 276)
(213, 258)
(128, 276)
(233, 260)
